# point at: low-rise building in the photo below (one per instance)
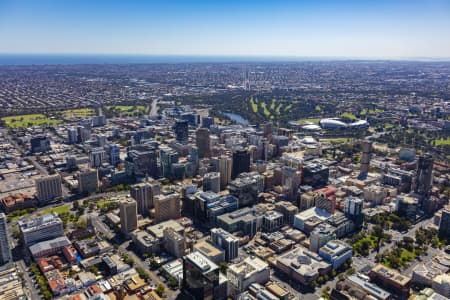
(302, 265)
(336, 252)
(250, 270)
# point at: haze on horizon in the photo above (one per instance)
(349, 28)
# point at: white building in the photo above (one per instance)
(250, 270)
(40, 229)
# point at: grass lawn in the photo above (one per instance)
(25, 121)
(445, 142)
(336, 140)
(310, 120)
(102, 203)
(127, 109)
(349, 116)
(272, 105)
(254, 104)
(58, 210)
(370, 111)
(78, 113)
(265, 110)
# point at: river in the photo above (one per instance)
(237, 118)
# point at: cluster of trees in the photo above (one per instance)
(390, 221)
(365, 241)
(41, 281)
(346, 267)
(21, 212)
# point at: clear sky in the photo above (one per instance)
(316, 28)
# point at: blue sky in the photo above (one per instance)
(316, 28)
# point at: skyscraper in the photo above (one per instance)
(96, 157)
(88, 181)
(48, 188)
(128, 215)
(167, 207)
(5, 252)
(203, 142)
(211, 182)
(444, 226)
(225, 241)
(424, 182)
(114, 154)
(72, 135)
(168, 157)
(365, 159)
(40, 143)
(144, 194)
(241, 162)
(181, 129)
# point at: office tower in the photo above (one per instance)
(40, 229)
(225, 167)
(241, 162)
(5, 252)
(72, 136)
(192, 118)
(128, 215)
(141, 163)
(315, 175)
(200, 277)
(48, 188)
(207, 122)
(365, 159)
(211, 182)
(181, 129)
(406, 206)
(71, 162)
(96, 157)
(353, 209)
(444, 226)
(203, 142)
(101, 140)
(168, 157)
(424, 182)
(246, 188)
(40, 143)
(290, 180)
(114, 154)
(98, 121)
(84, 133)
(88, 181)
(167, 207)
(267, 129)
(144, 194)
(174, 243)
(225, 241)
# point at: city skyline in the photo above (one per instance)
(294, 29)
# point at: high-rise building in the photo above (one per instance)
(365, 159)
(40, 143)
(444, 225)
(141, 163)
(88, 181)
(71, 162)
(174, 243)
(84, 133)
(203, 142)
(200, 277)
(241, 162)
(5, 252)
(72, 135)
(225, 241)
(225, 168)
(168, 157)
(211, 182)
(315, 175)
(40, 229)
(181, 129)
(424, 182)
(207, 121)
(113, 154)
(353, 209)
(96, 157)
(167, 207)
(144, 194)
(128, 215)
(48, 188)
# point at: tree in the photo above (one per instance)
(161, 290)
